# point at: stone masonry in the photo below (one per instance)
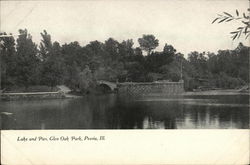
(152, 88)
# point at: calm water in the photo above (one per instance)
(112, 112)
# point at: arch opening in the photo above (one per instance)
(104, 88)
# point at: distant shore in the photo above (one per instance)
(218, 92)
(63, 95)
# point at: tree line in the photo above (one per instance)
(24, 63)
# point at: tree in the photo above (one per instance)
(97, 56)
(45, 45)
(86, 80)
(53, 67)
(135, 71)
(169, 50)
(125, 49)
(74, 53)
(71, 76)
(27, 60)
(242, 61)
(156, 60)
(7, 60)
(148, 43)
(111, 48)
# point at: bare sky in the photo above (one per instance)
(185, 24)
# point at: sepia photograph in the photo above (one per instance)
(124, 65)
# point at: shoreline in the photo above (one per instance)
(36, 95)
(217, 92)
(63, 95)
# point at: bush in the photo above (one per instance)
(225, 81)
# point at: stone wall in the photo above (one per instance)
(154, 88)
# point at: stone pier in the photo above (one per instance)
(151, 88)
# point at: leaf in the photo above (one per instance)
(234, 32)
(215, 20)
(228, 14)
(237, 13)
(239, 34)
(223, 20)
(247, 35)
(244, 15)
(234, 36)
(246, 29)
(229, 19)
(240, 28)
(245, 22)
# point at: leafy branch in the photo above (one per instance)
(245, 20)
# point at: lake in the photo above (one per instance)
(112, 112)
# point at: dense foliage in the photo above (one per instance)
(24, 63)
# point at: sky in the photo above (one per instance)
(184, 24)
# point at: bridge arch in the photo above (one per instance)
(104, 88)
(107, 85)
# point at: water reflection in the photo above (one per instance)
(148, 123)
(112, 112)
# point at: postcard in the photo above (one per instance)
(124, 82)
